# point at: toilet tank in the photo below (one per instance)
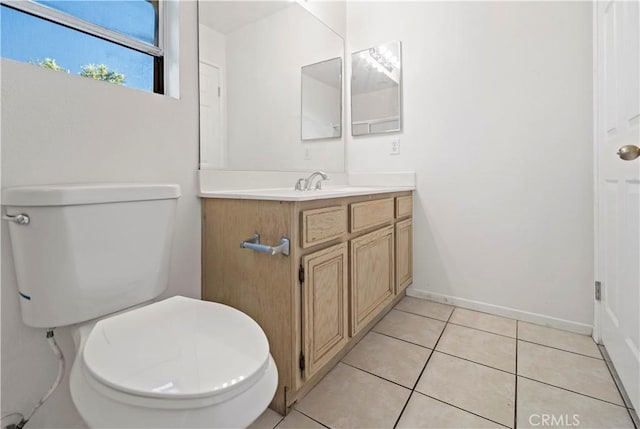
(89, 250)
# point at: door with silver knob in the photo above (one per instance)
(617, 137)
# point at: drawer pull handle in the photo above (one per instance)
(253, 243)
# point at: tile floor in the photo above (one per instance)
(430, 365)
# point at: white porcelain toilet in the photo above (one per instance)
(94, 256)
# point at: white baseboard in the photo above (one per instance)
(512, 313)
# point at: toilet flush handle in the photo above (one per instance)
(20, 219)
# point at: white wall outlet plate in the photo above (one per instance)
(395, 147)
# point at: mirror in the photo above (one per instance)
(376, 88)
(257, 59)
(322, 100)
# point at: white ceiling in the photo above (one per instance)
(227, 16)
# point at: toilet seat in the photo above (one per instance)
(180, 352)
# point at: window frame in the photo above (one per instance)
(64, 19)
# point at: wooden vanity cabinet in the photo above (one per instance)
(349, 263)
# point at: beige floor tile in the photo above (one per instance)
(424, 412)
(393, 359)
(564, 340)
(350, 398)
(410, 327)
(484, 391)
(486, 322)
(482, 347)
(536, 400)
(296, 420)
(424, 307)
(571, 371)
(267, 420)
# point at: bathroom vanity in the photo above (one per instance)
(349, 262)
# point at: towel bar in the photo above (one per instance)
(253, 243)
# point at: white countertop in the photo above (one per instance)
(289, 194)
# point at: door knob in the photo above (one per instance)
(629, 152)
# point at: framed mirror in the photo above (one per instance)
(321, 114)
(376, 89)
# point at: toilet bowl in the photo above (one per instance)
(176, 363)
(92, 256)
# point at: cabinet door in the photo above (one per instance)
(404, 255)
(372, 275)
(324, 298)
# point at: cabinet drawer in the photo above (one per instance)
(371, 213)
(404, 206)
(322, 225)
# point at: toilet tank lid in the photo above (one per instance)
(87, 193)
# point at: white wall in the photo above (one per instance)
(264, 61)
(59, 128)
(497, 125)
(212, 45)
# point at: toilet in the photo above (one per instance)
(95, 257)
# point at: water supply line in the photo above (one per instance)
(61, 366)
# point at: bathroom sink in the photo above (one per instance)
(290, 194)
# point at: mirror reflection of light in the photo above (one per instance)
(363, 55)
(163, 388)
(394, 59)
(382, 49)
(387, 54)
(232, 382)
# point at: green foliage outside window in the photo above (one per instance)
(50, 63)
(93, 71)
(101, 72)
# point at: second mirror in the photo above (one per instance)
(322, 100)
(376, 88)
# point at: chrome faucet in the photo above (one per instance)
(305, 184)
(319, 182)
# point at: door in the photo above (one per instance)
(211, 148)
(372, 275)
(617, 117)
(324, 298)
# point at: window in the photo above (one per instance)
(119, 41)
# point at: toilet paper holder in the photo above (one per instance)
(253, 243)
